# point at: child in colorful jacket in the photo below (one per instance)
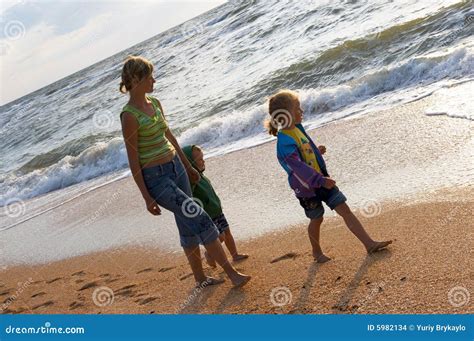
(307, 172)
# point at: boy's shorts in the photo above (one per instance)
(313, 207)
(221, 223)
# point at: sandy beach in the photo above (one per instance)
(431, 255)
(102, 253)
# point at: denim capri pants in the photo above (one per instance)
(169, 186)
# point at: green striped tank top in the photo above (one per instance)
(152, 142)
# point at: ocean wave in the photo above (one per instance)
(99, 159)
(454, 101)
(75, 162)
(415, 72)
(351, 58)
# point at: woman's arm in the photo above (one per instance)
(130, 137)
(192, 173)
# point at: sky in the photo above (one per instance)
(44, 41)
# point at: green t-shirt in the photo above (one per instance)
(203, 190)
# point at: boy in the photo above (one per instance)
(210, 202)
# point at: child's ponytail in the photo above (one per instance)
(279, 107)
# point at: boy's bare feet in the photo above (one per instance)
(377, 246)
(209, 260)
(322, 258)
(208, 282)
(239, 257)
(239, 279)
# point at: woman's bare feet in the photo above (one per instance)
(208, 282)
(209, 260)
(377, 246)
(239, 280)
(239, 257)
(321, 258)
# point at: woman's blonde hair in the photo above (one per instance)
(135, 68)
(279, 109)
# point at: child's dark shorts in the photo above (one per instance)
(221, 223)
(313, 207)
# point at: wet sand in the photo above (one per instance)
(431, 257)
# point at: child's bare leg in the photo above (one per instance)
(230, 243)
(358, 230)
(194, 258)
(216, 251)
(209, 260)
(314, 228)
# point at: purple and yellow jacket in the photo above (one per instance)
(303, 179)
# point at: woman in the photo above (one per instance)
(161, 171)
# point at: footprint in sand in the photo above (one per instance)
(53, 280)
(8, 311)
(38, 294)
(79, 273)
(45, 304)
(127, 287)
(75, 305)
(146, 300)
(126, 291)
(289, 255)
(89, 285)
(11, 311)
(144, 270)
(5, 292)
(166, 269)
(182, 278)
